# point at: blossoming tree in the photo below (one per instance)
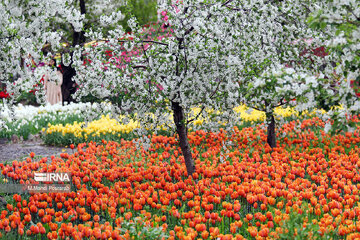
(27, 26)
(270, 39)
(182, 69)
(24, 30)
(282, 60)
(219, 53)
(339, 21)
(210, 55)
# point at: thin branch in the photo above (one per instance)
(151, 41)
(234, 8)
(186, 61)
(352, 12)
(140, 66)
(148, 62)
(203, 107)
(197, 115)
(124, 41)
(8, 37)
(261, 110)
(281, 103)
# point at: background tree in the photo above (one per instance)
(27, 26)
(339, 23)
(24, 30)
(282, 58)
(268, 42)
(102, 17)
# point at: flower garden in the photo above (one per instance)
(222, 120)
(79, 122)
(307, 187)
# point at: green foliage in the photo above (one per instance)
(326, 99)
(139, 230)
(145, 12)
(294, 227)
(25, 128)
(27, 98)
(59, 139)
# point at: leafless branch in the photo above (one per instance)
(140, 66)
(151, 41)
(352, 12)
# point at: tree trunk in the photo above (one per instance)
(67, 88)
(271, 137)
(79, 37)
(181, 129)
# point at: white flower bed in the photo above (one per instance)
(24, 120)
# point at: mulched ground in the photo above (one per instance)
(18, 151)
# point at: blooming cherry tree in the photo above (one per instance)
(281, 59)
(339, 22)
(24, 30)
(215, 55)
(183, 68)
(268, 43)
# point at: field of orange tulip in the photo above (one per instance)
(307, 187)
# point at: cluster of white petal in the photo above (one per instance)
(339, 21)
(24, 30)
(19, 115)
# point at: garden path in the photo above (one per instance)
(18, 151)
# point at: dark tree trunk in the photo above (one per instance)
(271, 137)
(79, 37)
(68, 87)
(181, 129)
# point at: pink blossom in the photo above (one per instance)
(159, 87)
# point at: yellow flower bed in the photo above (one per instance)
(252, 115)
(106, 125)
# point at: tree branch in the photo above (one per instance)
(140, 66)
(281, 103)
(151, 41)
(352, 12)
(8, 37)
(203, 107)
